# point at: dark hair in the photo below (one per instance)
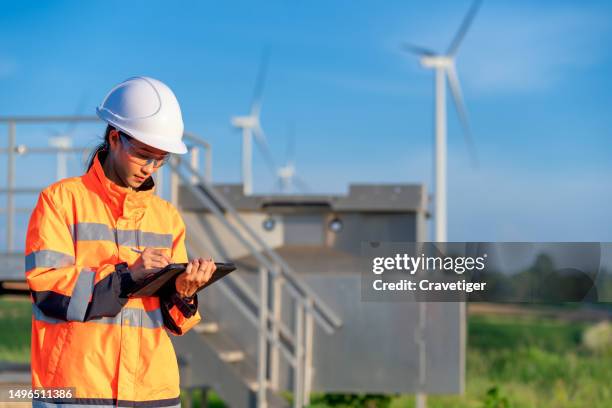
(102, 147)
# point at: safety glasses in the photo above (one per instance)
(138, 156)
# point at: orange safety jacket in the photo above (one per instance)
(86, 333)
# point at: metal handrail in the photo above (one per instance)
(48, 119)
(207, 152)
(294, 288)
(20, 190)
(250, 294)
(252, 317)
(269, 325)
(12, 149)
(23, 149)
(272, 329)
(286, 270)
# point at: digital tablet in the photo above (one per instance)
(153, 283)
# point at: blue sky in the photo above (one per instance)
(535, 79)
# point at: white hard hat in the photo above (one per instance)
(147, 110)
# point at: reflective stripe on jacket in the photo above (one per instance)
(85, 333)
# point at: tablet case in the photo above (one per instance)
(155, 283)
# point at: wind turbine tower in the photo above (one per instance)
(61, 142)
(251, 127)
(444, 67)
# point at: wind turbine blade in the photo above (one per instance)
(464, 27)
(278, 184)
(455, 87)
(262, 145)
(259, 135)
(290, 154)
(417, 49)
(301, 184)
(260, 82)
(71, 127)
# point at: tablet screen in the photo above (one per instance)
(154, 283)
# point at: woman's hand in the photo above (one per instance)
(198, 272)
(151, 260)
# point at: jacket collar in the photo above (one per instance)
(123, 201)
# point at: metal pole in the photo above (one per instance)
(204, 398)
(48, 119)
(208, 164)
(440, 197)
(421, 396)
(262, 357)
(159, 182)
(194, 164)
(439, 215)
(420, 335)
(174, 184)
(308, 354)
(298, 386)
(10, 205)
(247, 180)
(462, 344)
(277, 300)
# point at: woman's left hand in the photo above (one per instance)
(198, 272)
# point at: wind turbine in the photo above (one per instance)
(286, 175)
(63, 140)
(444, 66)
(251, 127)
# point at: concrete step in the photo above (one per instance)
(15, 377)
(207, 328)
(232, 356)
(234, 380)
(8, 389)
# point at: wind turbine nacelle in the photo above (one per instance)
(436, 61)
(286, 172)
(61, 141)
(245, 122)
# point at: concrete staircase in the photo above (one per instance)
(217, 361)
(214, 359)
(236, 366)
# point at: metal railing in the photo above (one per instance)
(295, 344)
(271, 329)
(13, 150)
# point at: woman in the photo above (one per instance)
(89, 240)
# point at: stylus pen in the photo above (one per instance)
(136, 250)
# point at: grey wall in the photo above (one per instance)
(374, 351)
(358, 227)
(303, 229)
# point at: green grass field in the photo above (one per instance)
(15, 326)
(517, 362)
(511, 362)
